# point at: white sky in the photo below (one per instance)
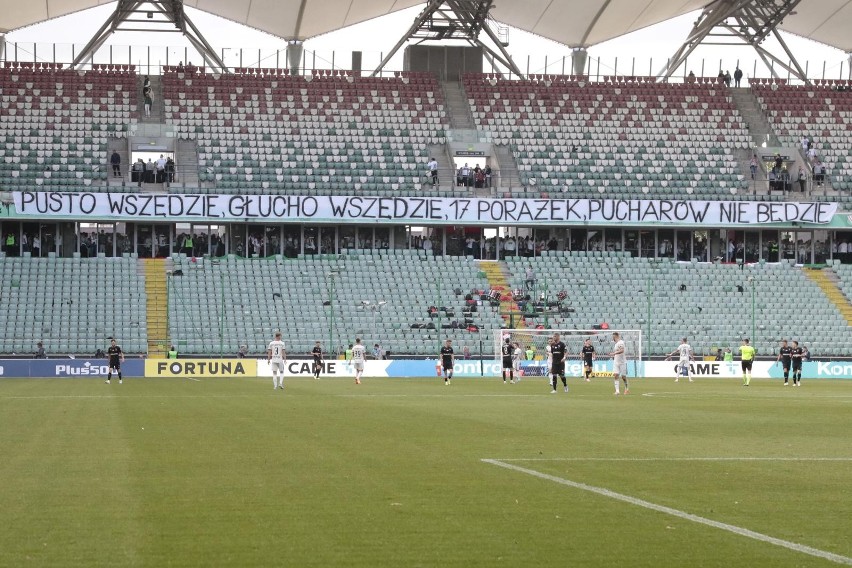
(641, 53)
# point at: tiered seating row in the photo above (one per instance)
(293, 133)
(54, 124)
(823, 114)
(709, 310)
(72, 306)
(576, 137)
(294, 295)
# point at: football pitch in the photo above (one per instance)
(409, 472)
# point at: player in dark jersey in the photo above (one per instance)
(115, 356)
(448, 361)
(785, 355)
(318, 364)
(798, 355)
(557, 364)
(588, 356)
(506, 350)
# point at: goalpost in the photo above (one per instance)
(533, 344)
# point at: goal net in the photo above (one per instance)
(533, 344)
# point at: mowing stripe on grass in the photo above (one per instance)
(685, 459)
(837, 558)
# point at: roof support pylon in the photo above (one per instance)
(150, 16)
(456, 20)
(739, 22)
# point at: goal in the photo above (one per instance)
(533, 344)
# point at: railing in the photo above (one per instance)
(150, 60)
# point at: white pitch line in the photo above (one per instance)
(830, 556)
(683, 459)
(196, 380)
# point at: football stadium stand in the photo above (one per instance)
(215, 307)
(618, 140)
(263, 130)
(73, 306)
(709, 303)
(822, 113)
(55, 124)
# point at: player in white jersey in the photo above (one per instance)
(517, 355)
(547, 349)
(685, 356)
(358, 356)
(619, 362)
(277, 356)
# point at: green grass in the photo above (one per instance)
(170, 472)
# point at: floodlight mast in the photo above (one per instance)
(461, 20)
(747, 22)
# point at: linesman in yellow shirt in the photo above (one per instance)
(747, 358)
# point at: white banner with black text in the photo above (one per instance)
(424, 210)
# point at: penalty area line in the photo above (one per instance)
(830, 556)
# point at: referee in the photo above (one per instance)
(747, 358)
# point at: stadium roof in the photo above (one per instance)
(571, 22)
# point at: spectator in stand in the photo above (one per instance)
(487, 175)
(115, 160)
(529, 277)
(779, 162)
(802, 176)
(784, 180)
(805, 144)
(469, 246)
(150, 168)
(721, 77)
(753, 166)
(812, 153)
(465, 175)
(39, 352)
(138, 173)
(148, 98)
(459, 177)
(161, 169)
(509, 247)
(727, 79)
(819, 172)
(378, 352)
(479, 177)
(690, 78)
(427, 244)
(170, 170)
(433, 172)
(738, 76)
(36, 251)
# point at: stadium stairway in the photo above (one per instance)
(497, 274)
(759, 128)
(459, 109)
(157, 108)
(157, 311)
(827, 280)
(186, 159)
